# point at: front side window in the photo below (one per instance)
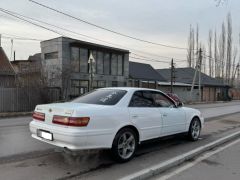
(161, 100)
(102, 97)
(142, 99)
(150, 99)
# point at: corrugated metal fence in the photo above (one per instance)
(23, 99)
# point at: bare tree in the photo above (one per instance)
(190, 47)
(197, 44)
(234, 66)
(222, 49)
(204, 60)
(229, 48)
(193, 48)
(216, 56)
(210, 53)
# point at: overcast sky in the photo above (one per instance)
(161, 21)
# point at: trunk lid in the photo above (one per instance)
(61, 109)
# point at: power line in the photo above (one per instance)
(106, 29)
(177, 60)
(151, 60)
(22, 17)
(22, 38)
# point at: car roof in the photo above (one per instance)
(132, 89)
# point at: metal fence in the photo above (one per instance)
(24, 99)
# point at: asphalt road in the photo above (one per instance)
(22, 157)
(220, 164)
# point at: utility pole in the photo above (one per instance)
(11, 49)
(199, 75)
(197, 69)
(0, 40)
(172, 75)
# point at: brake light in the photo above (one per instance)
(38, 116)
(71, 121)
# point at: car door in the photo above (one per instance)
(145, 115)
(173, 118)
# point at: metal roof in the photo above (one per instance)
(185, 75)
(5, 66)
(143, 71)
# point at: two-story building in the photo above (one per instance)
(66, 66)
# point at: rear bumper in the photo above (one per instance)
(73, 138)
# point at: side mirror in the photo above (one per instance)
(179, 104)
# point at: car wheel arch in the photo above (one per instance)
(195, 116)
(130, 127)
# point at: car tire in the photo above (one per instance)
(194, 129)
(124, 145)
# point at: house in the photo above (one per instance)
(28, 71)
(211, 89)
(143, 75)
(7, 73)
(66, 66)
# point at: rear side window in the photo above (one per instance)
(102, 97)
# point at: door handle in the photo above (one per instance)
(164, 114)
(134, 116)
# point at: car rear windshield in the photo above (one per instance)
(102, 97)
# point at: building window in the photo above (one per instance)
(52, 55)
(99, 84)
(114, 65)
(120, 65)
(83, 60)
(75, 59)
(114, 84)
(78, 87)
(99, 62)
(106, 63)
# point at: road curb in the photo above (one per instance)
(157, 169)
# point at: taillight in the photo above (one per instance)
(38, 116)
(71, 121)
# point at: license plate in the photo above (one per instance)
(45, 135)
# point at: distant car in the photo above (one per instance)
(174, 97)
(114, 118)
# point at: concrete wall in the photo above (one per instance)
(52, 68)
(182, 92)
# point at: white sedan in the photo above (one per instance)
(114, 118)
